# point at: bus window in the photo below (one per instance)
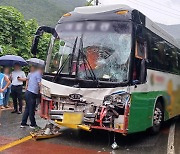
(156, 54)
(141, 50)
(171, 58)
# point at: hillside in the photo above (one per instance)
(174, 30)
(47, 12)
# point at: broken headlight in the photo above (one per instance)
(119, 99)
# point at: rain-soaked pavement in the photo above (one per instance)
(80, 142)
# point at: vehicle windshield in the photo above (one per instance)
(94, 50)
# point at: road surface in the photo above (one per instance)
(76, 142)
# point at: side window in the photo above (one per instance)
(156, 53)
(162, 55)
(171, 58)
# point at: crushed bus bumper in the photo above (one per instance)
(95, 117)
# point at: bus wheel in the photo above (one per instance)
(157, 118)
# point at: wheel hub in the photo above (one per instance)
(157, 116)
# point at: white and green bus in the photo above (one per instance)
(114, 70)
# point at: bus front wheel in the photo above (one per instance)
(157, 118)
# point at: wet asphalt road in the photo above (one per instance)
(95, 142)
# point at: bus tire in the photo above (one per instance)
(157, 118)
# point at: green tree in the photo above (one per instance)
(13, 32)
(43, 46)
(16, 34)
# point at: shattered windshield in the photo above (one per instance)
(96, 50)
(108, 55)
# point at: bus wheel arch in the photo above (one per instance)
(158, 115)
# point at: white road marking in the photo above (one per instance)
(170, 149)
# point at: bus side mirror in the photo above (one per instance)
(143, 72)
(39, 33)
(34, 47)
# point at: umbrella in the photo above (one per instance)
(10, 60)
(36, 61)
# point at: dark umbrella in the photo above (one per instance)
(36, 61)
(10, 60)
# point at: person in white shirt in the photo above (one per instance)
(17, 77)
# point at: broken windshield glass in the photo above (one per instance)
(103, 54)
(108, 56)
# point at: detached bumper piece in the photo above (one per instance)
(49, 131)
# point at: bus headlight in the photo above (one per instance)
(117, 99)
(45, 91)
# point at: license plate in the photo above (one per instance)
(72, 118)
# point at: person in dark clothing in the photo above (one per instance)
(33, 87)
(17, 77)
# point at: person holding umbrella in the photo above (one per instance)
(33, 84)
(3, 88)
(33, 88)
(17, 77)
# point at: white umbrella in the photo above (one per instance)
(36, 61)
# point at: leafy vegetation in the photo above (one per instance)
(16, 34)
(13, 32)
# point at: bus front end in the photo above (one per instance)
(86, 108)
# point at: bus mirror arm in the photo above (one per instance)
(38, 34)
(34, 47)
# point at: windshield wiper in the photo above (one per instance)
(72, 57)
(85, 62)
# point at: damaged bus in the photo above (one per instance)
(109, 68)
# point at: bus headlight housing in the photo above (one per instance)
(45, 91)
(117, 99)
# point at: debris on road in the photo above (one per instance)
(49, 131)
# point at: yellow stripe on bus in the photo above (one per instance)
(12, 144)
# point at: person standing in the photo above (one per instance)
(32, 69)
(7, 92)
(17, 77)
(33, 88)
(3, 88)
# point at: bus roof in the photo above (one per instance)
(161, 32)
(90, 10)
(101, 8)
